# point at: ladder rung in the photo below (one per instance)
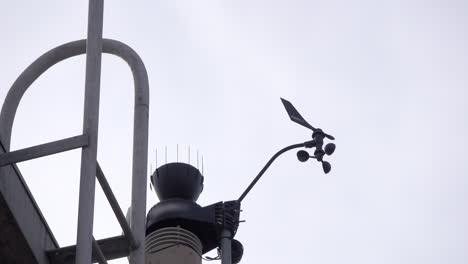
(43, 150)
(112, 248)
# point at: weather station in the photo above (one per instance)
(175, 230)
(178, 230)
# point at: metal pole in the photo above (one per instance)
(139, 168)
(84, 239)
(226, 257)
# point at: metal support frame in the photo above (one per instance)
(112, 248)
(94, 46)
(43, 150)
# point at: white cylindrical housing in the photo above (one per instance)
(172, 245)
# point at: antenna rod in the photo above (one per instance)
(267, 165)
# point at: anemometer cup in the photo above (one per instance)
(330, 148)
(303, 155)
(326, 167)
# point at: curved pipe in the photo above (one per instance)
(267, 165)
(60, 53)
(140, 128)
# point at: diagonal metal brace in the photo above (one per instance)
(43, 150)
(115, 207)
(100, 256)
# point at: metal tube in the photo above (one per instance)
(140, 150)
(84, 238)
(112, 247)
(140, 146)
(140, 129)
(267, 165)
(115, 207)
(98, 252)
(226, 257)
(43, 150)
(61, 53)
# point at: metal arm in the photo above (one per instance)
(226, 257)
(252, 184)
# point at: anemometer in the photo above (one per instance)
(317, 142)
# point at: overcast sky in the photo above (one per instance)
(387, 78)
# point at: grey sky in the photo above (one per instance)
(387, 78)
